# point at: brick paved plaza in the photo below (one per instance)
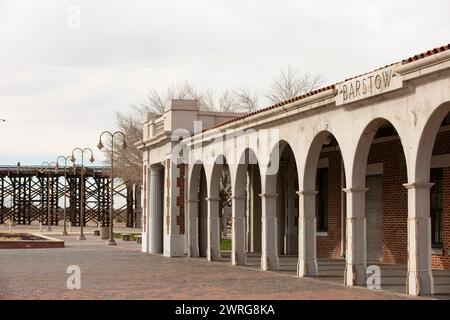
(123, 272)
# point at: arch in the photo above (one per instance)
(270, 180)
(197, 211)
(312, 158)
(194, 179)
(313, 197)
(374, 219)
(359, 164)
(280, 194)
(247, 158)
(247, 201)
(215, 175)
(426, 142)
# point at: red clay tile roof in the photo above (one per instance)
(427, 54)
(333, 86)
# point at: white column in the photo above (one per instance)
(155, 211)
(193, 228)
(269, 255)
(355, 269)
(307, 256)
(238, 255)
(145, 211)
(420, 276)
(213, 244)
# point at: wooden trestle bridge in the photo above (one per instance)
(26, 192)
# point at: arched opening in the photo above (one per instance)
(219, 211)
(253, 212)
(198, 212)
(247, 210)
(324, 200)
(287, 211)
(281, 204)
(380, 171)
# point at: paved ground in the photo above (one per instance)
(123, 272)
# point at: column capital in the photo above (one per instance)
(212, 199)
(268, 195)
(307, 192)
(238, 197)
(418, 185)
(355, 190)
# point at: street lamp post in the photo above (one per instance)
(47, 170)
(81, 236)
(65, 188)
(111, 241)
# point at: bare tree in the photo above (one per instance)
(246, 100)
(226, 101)
(156, 101)
(290, 84)
(128, 162)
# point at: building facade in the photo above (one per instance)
(359, 170)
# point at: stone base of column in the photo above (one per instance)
(307, 268)
(174, 245)
(213, 254)
(420, 283)
(194, 251)
(144, 245)
(355, 275)
(270, 262)
(239, 259)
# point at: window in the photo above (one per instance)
(436, 208)
(322, 175)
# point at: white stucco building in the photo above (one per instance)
(359, 169)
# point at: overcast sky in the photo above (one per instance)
(62, 77)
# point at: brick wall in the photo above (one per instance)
(394, 200)
(442, 146)
(443, 261)
(330, 245)
(394, 203)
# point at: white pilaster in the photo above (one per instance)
(145, 211)
(307, 256)
(355, 269)
(238, 255)
(269, 255)
(193, 231)
(420, 277)
(213, 243)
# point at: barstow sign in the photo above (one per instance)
(368, 85)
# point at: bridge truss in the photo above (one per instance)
(30, 195)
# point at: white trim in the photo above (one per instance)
(437, 251)
(374, 169)
(440, 161)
